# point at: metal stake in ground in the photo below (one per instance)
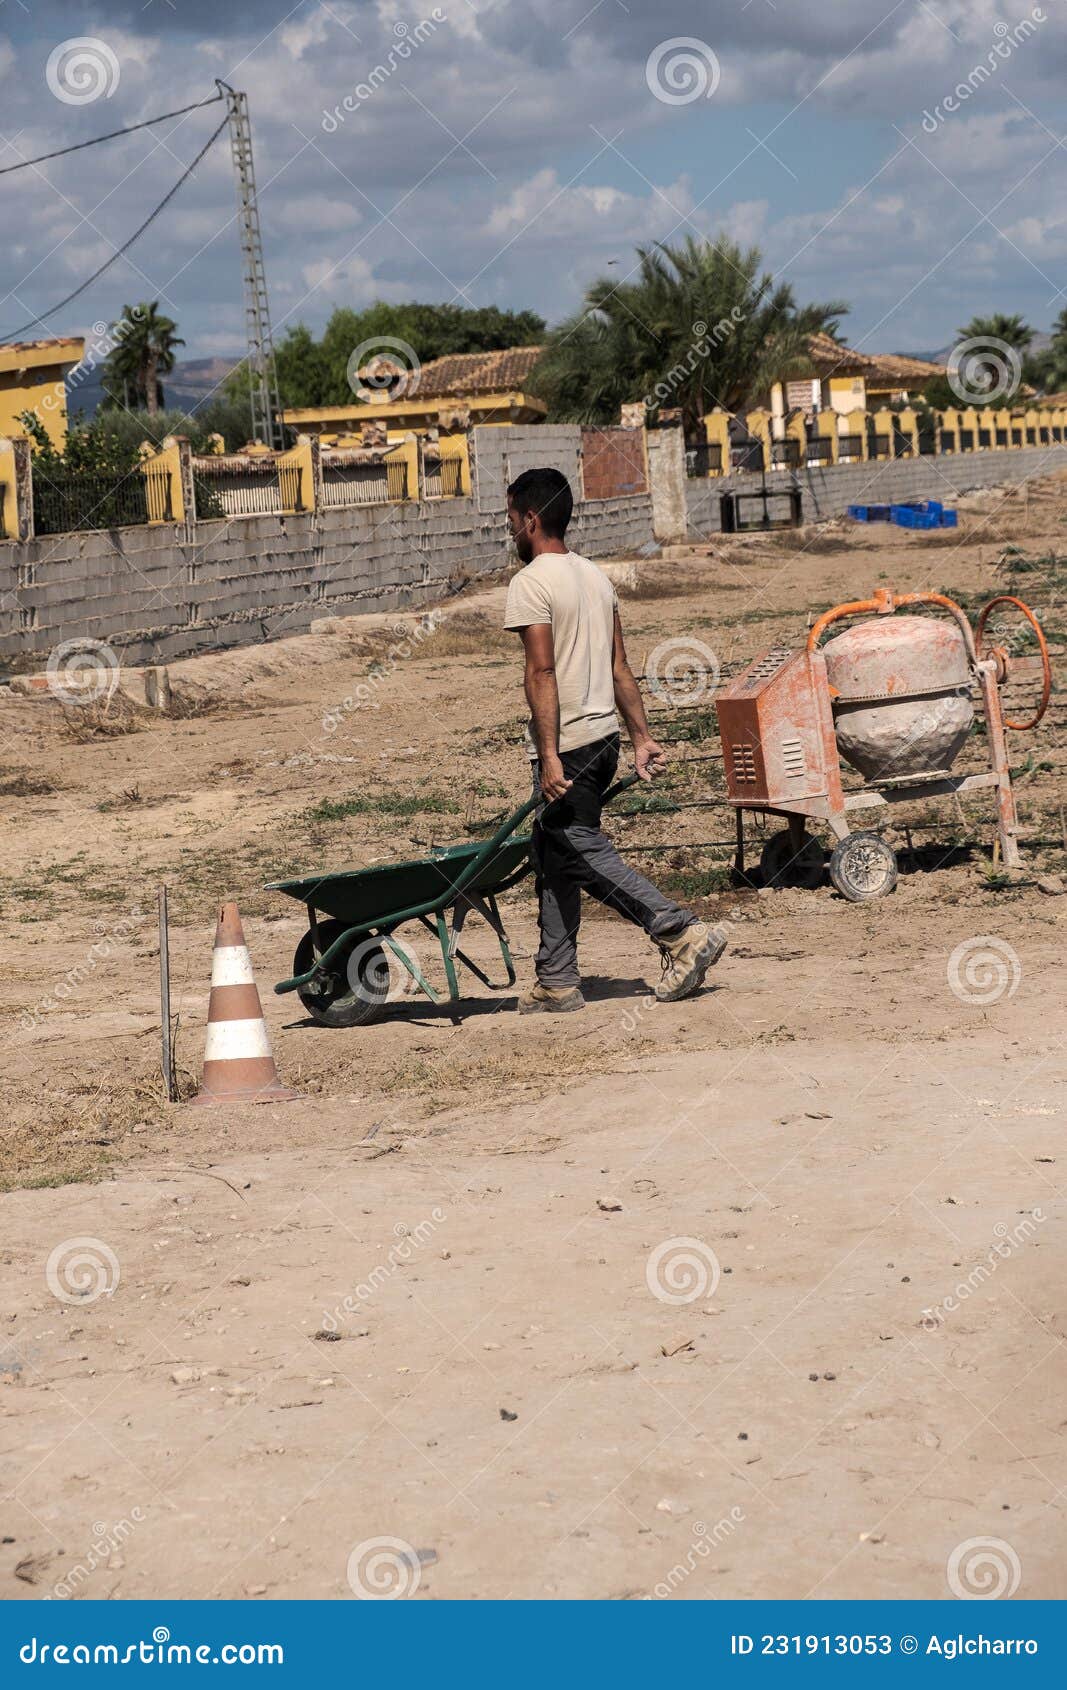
(164, 999)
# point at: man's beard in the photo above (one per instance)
(524, 548)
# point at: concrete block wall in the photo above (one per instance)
(164, 592)
(829, 491)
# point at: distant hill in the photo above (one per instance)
(193, 382)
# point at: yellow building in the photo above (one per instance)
(457, 392)
(838, 378)
(32, 378)
(893, 380)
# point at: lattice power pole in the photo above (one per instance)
(266, 406)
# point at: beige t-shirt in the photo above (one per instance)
(576, 600)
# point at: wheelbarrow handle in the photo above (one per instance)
(515, 820)
(433, 905)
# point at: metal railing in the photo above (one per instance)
(360, 483)
(703, 459)
(820, 450)
(850, 448)
(747, 457)
(442, 478)
(291, 487)
(159, 491)
(785, 454)
(65, 501)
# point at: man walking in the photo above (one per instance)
(577, 677)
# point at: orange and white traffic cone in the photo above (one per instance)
(238, 1062)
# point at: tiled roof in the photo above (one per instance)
(828, 355)
(831, 358)
(894, 368)
(464, 373)
(39, 345)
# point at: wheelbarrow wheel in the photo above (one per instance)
(863, 866)
(352, 990)
(781, 864)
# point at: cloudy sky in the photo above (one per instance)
(505, 151)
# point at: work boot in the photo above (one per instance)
(551, 1000)
(687, 958)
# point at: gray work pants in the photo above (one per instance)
(571, 855)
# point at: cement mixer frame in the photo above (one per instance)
(781, 755)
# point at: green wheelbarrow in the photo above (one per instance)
(341, 967)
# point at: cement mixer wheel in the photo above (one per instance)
(353, 988)
(863, 866)
(781, 864)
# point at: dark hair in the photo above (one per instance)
(547, 493)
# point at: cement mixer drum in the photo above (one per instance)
(902, 706)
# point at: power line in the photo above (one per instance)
(14, 334)
(61, 152)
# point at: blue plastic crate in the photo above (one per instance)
(869, 513)
(924, 513)
(909, 516)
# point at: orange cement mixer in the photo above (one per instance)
(893, 698)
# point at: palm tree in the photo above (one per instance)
(696, 325)
(1013, 331)
(143, 351)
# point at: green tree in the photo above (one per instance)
(1013, 331)
(985, 368)
(143, 351)
(699, 325)
(315, 372)
(1047, 370)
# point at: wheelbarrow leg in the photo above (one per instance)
(446, 953)
(493, 918)
(459, 916)
(487, 908)
(412, 967)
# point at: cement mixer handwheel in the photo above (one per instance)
(863, 866)
(1042, 646)
(353, 990)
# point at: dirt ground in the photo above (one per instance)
(758, 1295)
